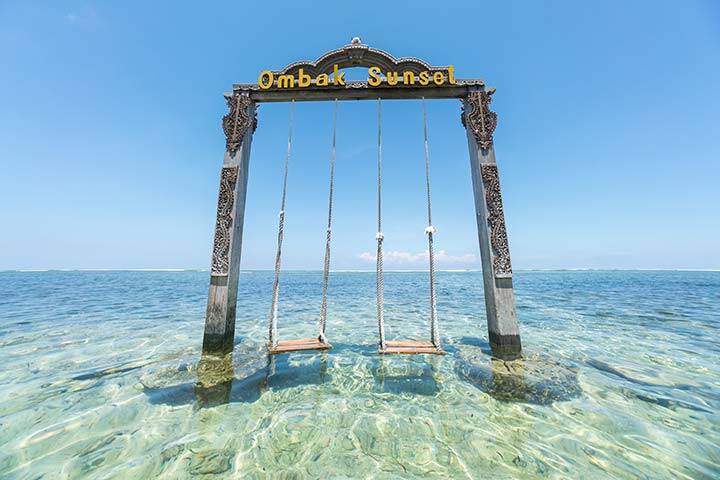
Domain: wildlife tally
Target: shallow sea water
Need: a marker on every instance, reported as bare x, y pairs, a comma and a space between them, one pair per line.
620, 379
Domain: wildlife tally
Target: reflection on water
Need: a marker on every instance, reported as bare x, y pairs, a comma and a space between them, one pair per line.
306, 368
103, 378
535, 380
408, 374
218, 383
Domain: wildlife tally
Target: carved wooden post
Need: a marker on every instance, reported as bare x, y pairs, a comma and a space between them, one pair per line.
239, 125
480, 123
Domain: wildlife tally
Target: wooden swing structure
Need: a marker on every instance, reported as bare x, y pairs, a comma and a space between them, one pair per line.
419, 81
320, 343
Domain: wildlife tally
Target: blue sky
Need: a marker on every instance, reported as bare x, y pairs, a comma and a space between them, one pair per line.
608, 138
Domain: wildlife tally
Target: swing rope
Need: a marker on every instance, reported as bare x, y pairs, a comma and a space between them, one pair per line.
380, 282
430, 230
281, 225
326, 267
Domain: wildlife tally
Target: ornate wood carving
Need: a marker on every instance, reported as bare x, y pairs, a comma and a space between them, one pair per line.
496, 221
224, 222
236, 122
480, 120
358, 54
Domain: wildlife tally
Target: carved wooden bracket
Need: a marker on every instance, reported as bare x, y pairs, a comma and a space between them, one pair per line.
236, 122
480, 120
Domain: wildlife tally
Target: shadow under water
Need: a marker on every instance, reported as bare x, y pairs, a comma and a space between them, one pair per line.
217, 384
402, 374
663, 395
536, 379
480, 343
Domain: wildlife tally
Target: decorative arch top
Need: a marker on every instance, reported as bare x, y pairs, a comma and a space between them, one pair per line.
357, 54
388, 77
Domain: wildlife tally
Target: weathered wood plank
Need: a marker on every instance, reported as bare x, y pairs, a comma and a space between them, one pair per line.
412, 343
359, 91
285, 346
411, 347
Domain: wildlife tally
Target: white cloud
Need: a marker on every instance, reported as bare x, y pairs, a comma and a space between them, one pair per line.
398, 257
367, 256
443, 256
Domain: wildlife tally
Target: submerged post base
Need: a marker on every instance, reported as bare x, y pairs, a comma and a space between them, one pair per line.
505, 347
215, 377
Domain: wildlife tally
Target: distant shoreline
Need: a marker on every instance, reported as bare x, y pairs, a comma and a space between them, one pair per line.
531, 270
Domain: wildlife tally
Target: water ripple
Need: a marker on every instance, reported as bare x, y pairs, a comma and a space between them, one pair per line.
103, 378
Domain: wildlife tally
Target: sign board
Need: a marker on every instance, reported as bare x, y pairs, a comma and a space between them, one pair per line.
376, 77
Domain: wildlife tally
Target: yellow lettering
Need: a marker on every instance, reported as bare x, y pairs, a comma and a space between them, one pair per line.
408, 78
392, 78
338, 76
424, 78
265, 80
322, 80
374, 78
286, 81
438, 78
303, 79
451, 75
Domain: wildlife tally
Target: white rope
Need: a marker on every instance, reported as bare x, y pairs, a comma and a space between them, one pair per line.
281, 225
430, 230
380, 282
326, 267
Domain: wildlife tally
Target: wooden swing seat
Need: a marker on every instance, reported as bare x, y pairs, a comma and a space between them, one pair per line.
285, 346
411, 348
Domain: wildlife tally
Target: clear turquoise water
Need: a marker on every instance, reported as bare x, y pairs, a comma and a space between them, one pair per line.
621, 379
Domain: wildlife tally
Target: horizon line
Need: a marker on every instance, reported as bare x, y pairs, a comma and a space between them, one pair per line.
450, 270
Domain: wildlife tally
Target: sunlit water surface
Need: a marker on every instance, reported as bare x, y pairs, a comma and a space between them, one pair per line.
620, 379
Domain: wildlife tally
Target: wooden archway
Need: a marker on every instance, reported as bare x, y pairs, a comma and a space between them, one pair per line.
479, 122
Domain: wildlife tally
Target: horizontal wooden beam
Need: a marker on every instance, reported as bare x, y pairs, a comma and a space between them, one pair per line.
360, 91
285, 346
411, 348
